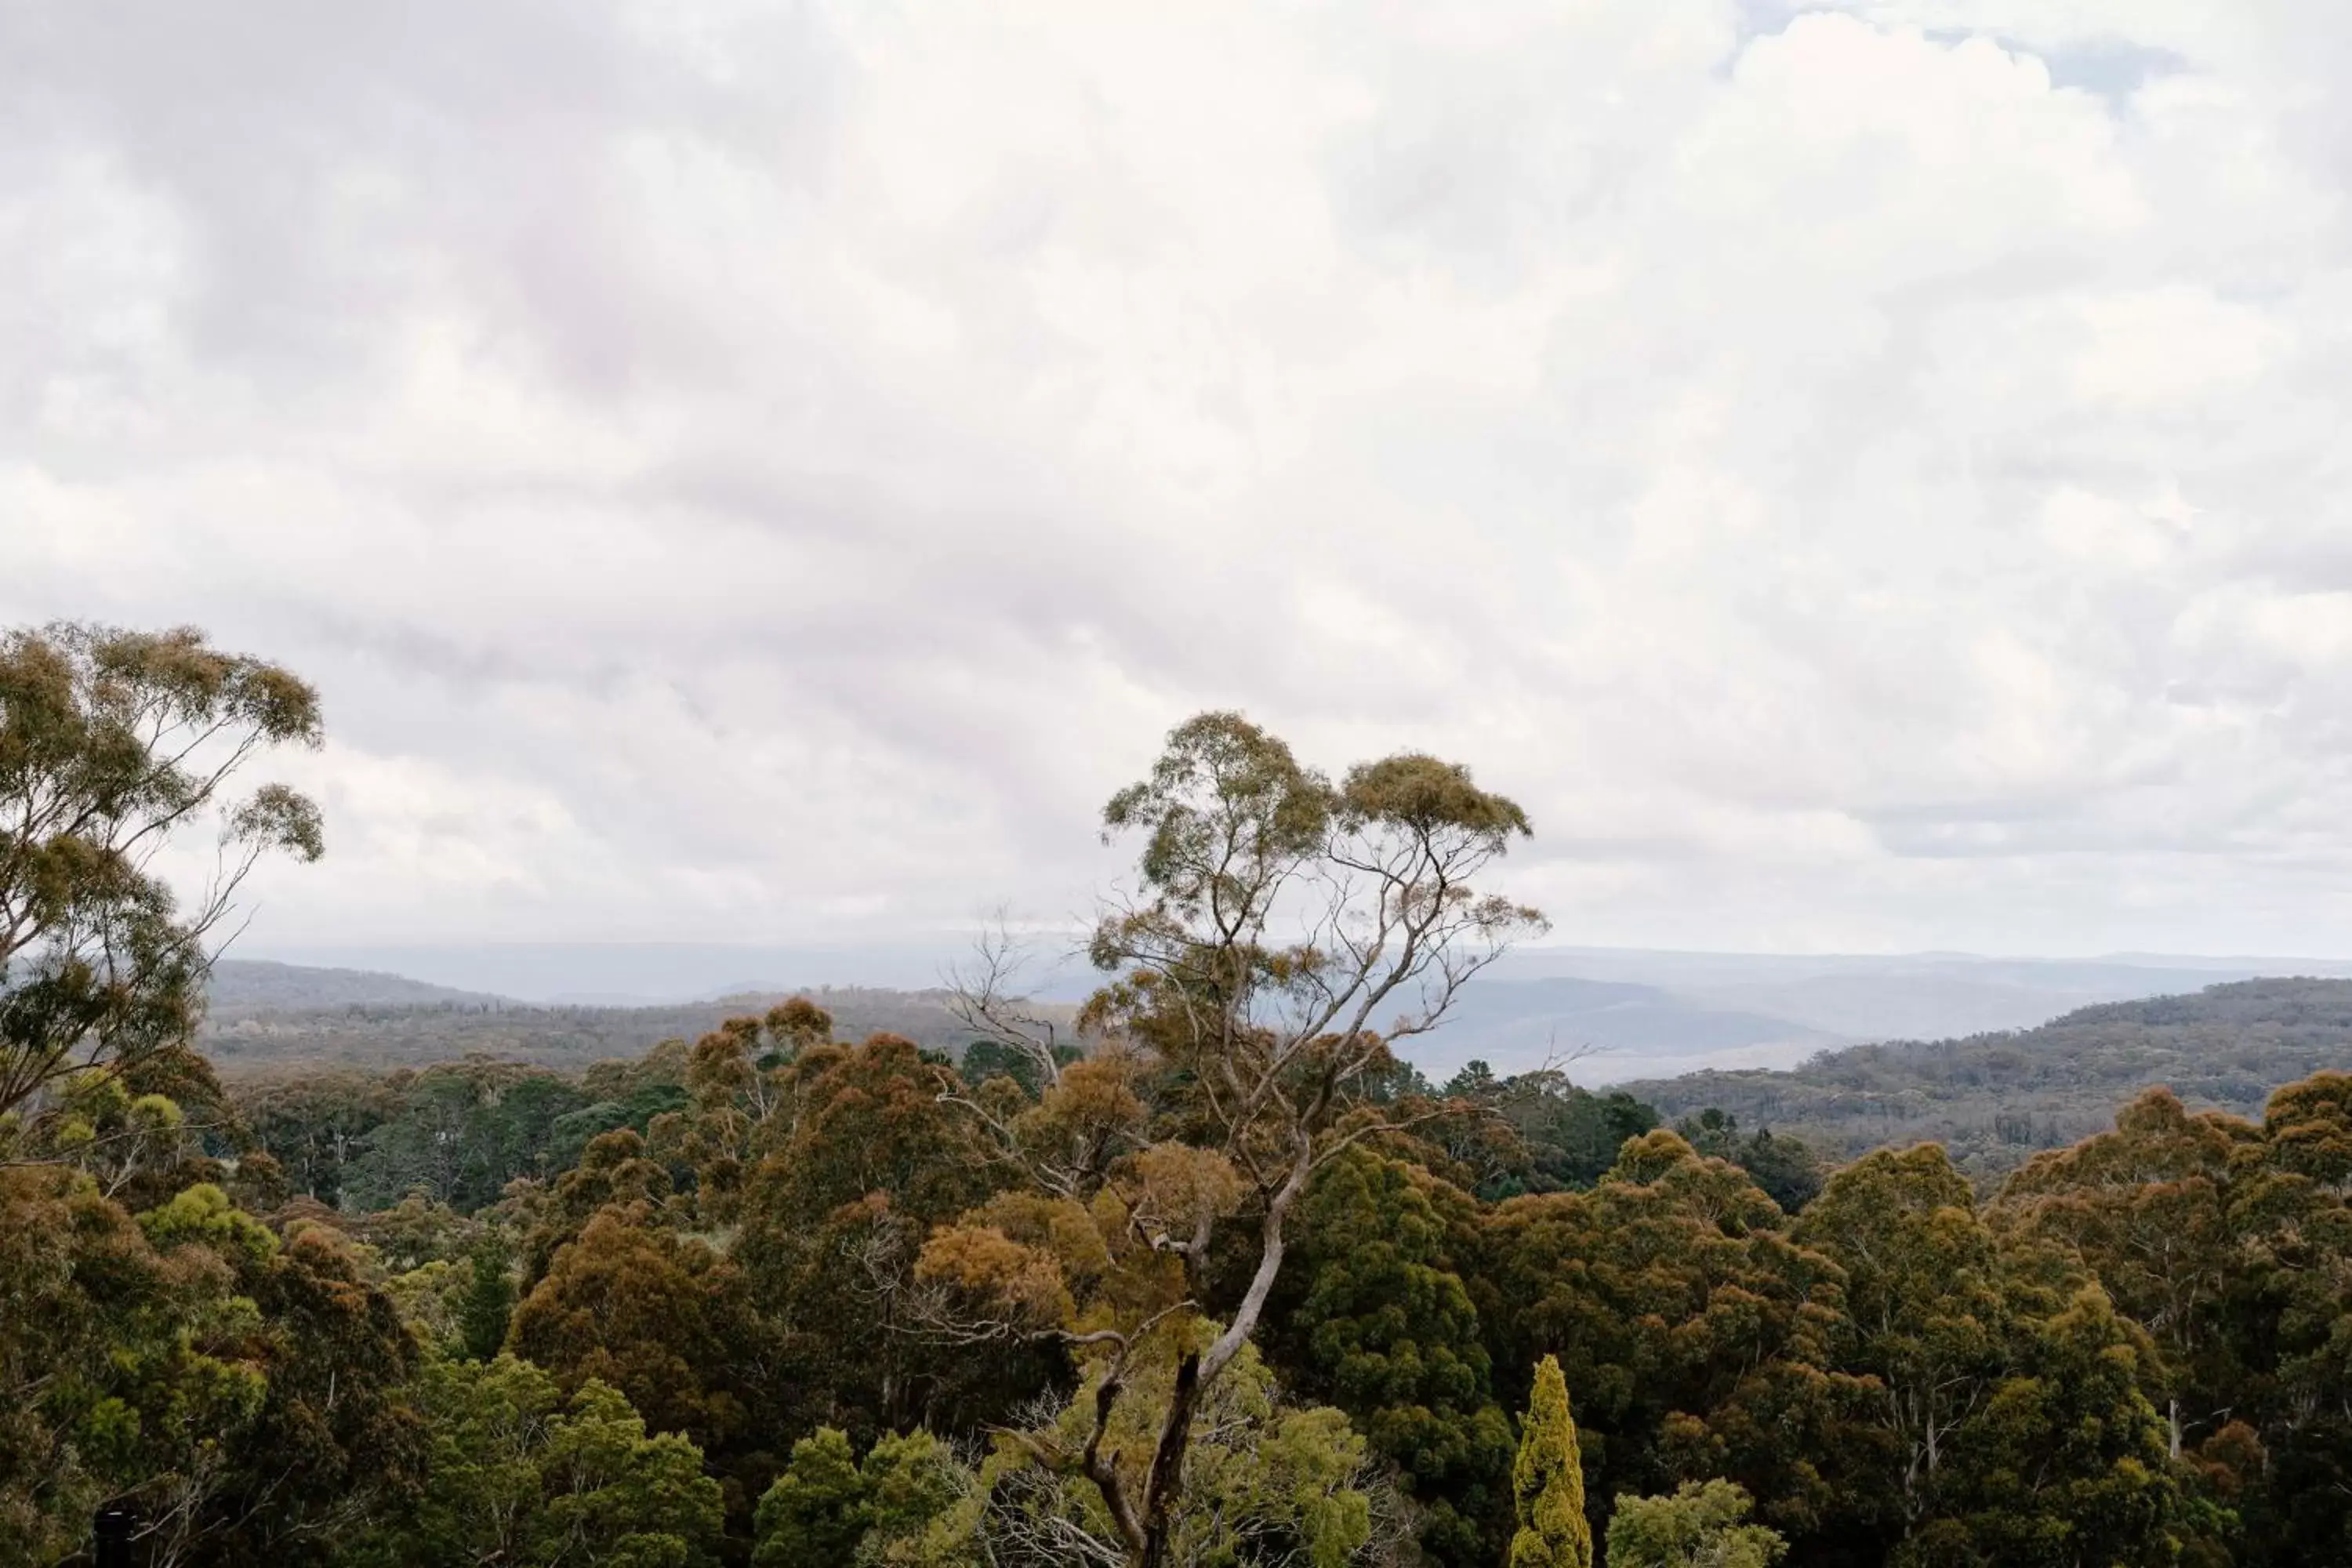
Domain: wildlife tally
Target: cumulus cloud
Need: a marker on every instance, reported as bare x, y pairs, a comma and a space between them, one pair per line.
1864, 477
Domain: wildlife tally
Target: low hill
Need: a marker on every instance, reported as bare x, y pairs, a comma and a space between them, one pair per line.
1641, 1014
1995, 1099
242, 986
385, 1029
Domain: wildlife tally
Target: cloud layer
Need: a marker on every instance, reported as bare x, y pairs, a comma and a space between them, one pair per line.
1864, 479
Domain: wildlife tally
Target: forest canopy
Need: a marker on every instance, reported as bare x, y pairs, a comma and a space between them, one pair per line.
1204, 1272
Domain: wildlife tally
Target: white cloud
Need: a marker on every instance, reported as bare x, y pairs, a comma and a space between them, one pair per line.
1862, 478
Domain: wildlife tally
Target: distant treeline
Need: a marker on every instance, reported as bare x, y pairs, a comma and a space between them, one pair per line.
242, 1040
1993, 1100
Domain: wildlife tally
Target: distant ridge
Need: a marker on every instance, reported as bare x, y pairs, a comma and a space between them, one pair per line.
267, 1017
1995, 1099
1670, 1011
1729, 1010
247, 985
651, 974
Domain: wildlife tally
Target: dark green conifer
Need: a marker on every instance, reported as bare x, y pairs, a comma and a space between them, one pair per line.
489, 1303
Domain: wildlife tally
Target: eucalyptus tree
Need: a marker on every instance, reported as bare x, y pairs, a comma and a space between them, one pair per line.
113, 745
1284, 931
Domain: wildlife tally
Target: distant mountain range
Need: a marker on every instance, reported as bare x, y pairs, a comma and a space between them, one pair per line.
267, 1017
1619, 1013
656, 973
1606, 1029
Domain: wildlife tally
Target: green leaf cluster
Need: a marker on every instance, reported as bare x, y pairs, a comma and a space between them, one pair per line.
1699, 1526
520, 1475
830, 1507
1547, 1481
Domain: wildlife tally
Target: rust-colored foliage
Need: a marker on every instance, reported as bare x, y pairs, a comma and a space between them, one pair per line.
613, 1171
659, 1316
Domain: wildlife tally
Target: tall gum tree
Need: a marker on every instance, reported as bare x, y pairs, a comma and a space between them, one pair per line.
2152, 1207
111, 742
2228, 1244
1283, 933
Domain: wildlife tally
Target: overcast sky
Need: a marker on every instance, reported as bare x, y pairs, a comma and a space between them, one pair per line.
1864, 479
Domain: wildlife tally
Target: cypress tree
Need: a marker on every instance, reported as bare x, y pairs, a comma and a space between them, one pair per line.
1547, 1481
489, 1302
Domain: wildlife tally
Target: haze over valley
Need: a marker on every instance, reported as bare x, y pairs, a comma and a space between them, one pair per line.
1620, 1014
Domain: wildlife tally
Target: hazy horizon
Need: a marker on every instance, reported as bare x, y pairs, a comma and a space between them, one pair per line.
579, 971
1624, 1013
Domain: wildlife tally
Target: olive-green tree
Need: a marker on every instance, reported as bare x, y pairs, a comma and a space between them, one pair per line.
1696, 1339
742, 1086
1699, 1526
2007, 1422
111, 742
1547, 1481
829, 1507
817, 1510
487, 1305
127, 1369
2229, 1245
519, 1475
1270, 1484
1379, 1323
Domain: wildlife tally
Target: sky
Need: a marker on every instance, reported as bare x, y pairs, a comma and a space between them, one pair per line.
1864, 478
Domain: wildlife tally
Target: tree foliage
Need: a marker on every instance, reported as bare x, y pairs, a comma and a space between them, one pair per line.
2228, 1244
459, 1132
1786, 1168
1271, 1483
1547, 1481
2007, 1420
487, 1307
1217, 1279
110, 743
657, 1316
1699, 1526
520, 1475
243, 1393
1286, 931
125, 1369
1383, 1327
1697, 1336
830, 1507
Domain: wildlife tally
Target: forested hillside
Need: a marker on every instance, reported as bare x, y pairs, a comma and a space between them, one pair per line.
1994, 1099
791, 1291
247, 1030
1213, 1280
239, 989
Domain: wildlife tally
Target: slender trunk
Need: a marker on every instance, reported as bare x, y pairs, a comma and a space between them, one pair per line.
1197, 1371
2172, 1423
1104, 1472
1167, 1482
